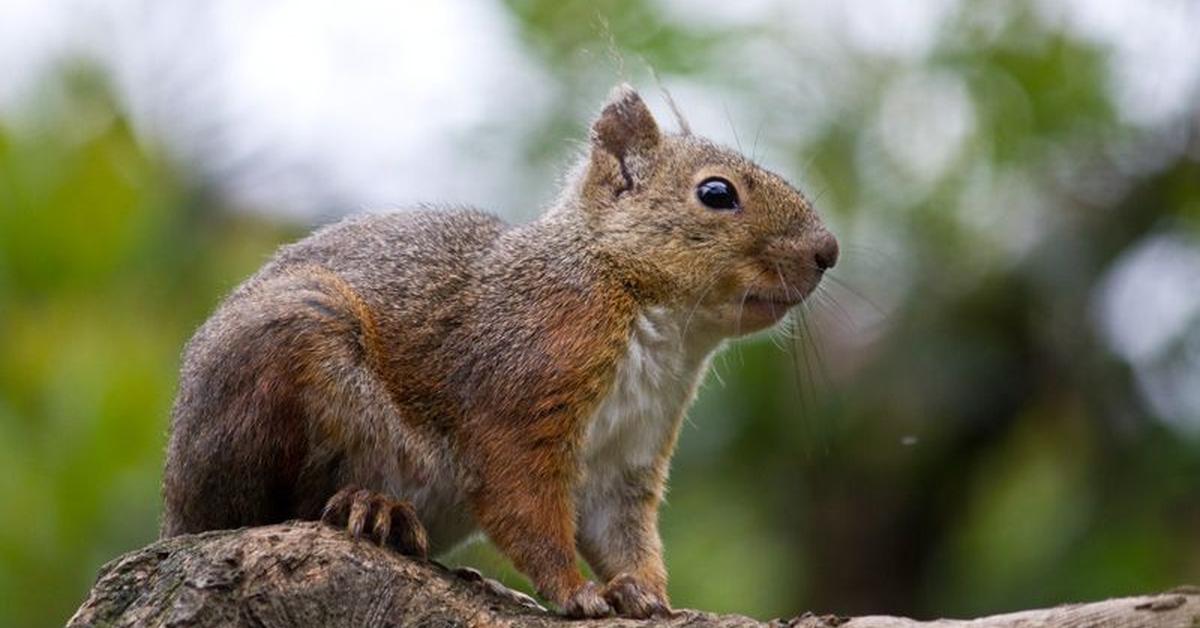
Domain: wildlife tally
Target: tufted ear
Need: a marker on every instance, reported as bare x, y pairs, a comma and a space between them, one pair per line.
623, 136
625, 126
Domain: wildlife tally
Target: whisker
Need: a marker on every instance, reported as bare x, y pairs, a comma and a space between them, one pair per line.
820, 193
774, 316
757, 133
737, 328
841, 314
841, 283
821, 294
805, 418
867, 249
822, 369
728, 117
787, 290
807, 410
708, 286
717, 372
813, 353
800, 323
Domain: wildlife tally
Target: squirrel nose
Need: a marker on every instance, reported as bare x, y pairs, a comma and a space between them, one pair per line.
826, 251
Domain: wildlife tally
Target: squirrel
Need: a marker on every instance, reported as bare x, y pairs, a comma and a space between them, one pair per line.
418, 376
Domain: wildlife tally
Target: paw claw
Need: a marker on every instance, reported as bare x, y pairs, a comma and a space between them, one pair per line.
367, 514
383, 525
409, 536
337, 509
360, 509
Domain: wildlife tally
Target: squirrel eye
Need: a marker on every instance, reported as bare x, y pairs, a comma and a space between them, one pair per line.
717, 193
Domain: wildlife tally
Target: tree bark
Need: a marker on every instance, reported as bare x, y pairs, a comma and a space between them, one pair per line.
307, 574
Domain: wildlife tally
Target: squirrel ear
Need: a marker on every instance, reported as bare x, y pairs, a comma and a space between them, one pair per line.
625, 126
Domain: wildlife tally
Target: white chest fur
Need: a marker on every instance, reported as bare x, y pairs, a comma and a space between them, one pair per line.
655, 381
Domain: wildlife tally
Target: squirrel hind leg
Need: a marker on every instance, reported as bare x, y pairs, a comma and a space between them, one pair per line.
366, 514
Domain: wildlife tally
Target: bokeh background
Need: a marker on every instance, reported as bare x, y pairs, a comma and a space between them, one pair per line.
993, 403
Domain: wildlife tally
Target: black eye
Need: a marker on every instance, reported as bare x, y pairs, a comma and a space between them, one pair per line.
717, 193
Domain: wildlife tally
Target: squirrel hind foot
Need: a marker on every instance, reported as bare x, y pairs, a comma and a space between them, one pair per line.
631, 598
366, 514
587, 602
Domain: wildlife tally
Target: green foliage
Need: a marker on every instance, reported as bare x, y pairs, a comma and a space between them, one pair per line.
104, 272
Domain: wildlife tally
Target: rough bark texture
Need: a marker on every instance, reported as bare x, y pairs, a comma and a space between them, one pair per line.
307, 574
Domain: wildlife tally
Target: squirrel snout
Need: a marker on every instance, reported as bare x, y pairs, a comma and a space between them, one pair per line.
807, 255
825, 250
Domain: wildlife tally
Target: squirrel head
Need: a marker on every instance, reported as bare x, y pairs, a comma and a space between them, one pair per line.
697, 226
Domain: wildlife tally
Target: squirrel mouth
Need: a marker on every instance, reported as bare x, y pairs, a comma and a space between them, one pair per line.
775, 298
769, 305
778, 299
757, 307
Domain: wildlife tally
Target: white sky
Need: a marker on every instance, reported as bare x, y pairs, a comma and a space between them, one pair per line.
368, 104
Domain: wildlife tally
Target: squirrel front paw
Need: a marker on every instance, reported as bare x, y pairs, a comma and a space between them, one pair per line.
586, 602
632, 598
367, 514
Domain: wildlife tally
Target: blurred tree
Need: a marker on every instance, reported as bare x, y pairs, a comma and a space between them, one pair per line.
107, 263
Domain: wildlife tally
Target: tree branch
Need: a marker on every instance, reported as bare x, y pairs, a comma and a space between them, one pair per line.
307, 574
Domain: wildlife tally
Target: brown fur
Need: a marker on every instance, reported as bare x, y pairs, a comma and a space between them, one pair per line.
455, 363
